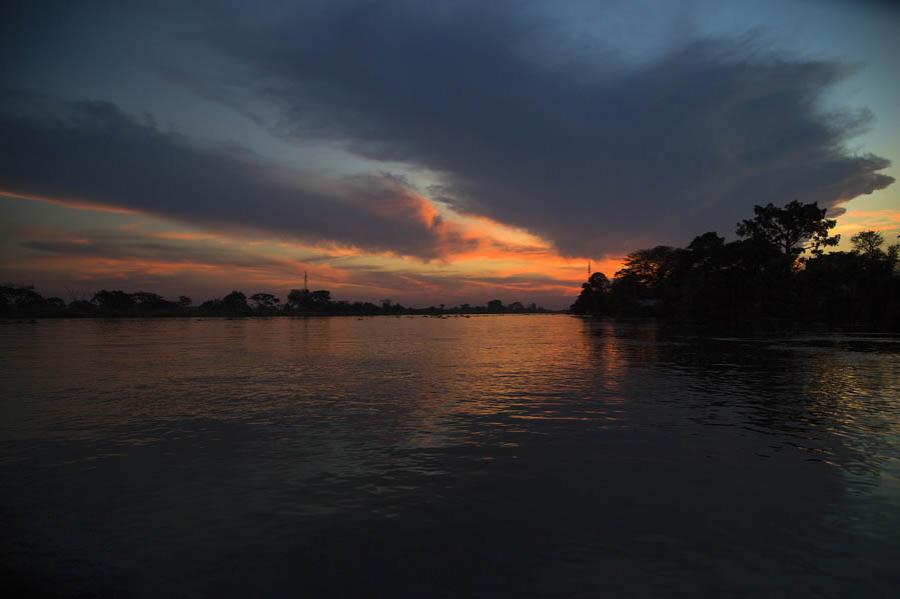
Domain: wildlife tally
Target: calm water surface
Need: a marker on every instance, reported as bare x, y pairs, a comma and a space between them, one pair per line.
484, 456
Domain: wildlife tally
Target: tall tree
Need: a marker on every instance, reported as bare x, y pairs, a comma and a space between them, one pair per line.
649, 268
592, 299
235, 302
867, 243
794, 229
264, 301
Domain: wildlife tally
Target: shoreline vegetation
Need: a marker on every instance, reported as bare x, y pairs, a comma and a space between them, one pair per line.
18, 301
777, 270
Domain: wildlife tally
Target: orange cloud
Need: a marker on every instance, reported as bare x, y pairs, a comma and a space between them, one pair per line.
184, 236
884, 220
876, 220
480, 259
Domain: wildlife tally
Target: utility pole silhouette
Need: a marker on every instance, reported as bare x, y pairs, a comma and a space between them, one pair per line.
305, 282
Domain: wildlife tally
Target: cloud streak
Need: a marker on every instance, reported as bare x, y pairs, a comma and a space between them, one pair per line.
92, 155
172, 265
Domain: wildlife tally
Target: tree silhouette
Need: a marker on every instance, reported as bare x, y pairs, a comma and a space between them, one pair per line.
22, 299
650, 268
82, 308
763, 275
495, 305
150, 302
235, 302
56, 302
211, 306
867, 243
115, 301
794, 229
320, 297
144, 297
593, 297
264, 301
304, 299
298, 298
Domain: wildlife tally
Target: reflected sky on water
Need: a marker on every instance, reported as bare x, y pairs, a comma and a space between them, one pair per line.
502, 455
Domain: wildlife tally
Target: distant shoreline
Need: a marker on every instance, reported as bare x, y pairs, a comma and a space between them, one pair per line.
22, 301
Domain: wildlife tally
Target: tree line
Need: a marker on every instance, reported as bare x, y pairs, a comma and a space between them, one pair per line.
23, 301
777, 268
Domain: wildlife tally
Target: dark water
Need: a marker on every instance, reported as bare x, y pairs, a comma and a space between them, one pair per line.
511, 455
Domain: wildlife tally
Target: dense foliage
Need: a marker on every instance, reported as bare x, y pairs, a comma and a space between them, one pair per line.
777, 269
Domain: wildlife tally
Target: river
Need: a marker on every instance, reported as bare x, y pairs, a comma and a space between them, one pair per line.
518, 456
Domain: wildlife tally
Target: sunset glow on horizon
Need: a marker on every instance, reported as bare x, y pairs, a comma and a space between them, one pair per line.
141, 251
247, 161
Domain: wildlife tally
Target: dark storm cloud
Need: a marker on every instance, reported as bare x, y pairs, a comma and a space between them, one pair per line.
564, 140
91, 152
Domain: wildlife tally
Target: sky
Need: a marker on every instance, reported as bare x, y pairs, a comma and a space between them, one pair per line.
426, 152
